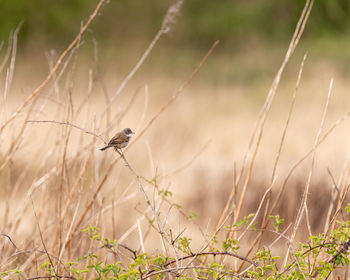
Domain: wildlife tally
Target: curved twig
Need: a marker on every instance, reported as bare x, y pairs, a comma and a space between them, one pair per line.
70, 124
206, 254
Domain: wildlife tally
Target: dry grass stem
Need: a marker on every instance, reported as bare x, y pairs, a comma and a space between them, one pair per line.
38, 90
169, 18
70, 211
67, 123
260, 123
303, 207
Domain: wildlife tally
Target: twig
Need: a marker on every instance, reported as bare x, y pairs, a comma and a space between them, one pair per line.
341, 199
70, 124
35, 251
307, 154
334, 194
3, 234
214, 254
181, 168
142, 245
345, 247
280, 235
189, 267
50, 277
153, 209
192, 267
41, 235
134, 253
258, 209
268, 211
155, 214
100, 185
291, 108
151, 272
303, 206
178, 92
69, 230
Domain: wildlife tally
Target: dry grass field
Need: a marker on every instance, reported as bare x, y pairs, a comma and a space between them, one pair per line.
204, 156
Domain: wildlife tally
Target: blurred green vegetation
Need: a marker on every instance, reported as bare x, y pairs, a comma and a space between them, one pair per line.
55, 22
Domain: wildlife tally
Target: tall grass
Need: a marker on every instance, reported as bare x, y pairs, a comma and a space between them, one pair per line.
70, 211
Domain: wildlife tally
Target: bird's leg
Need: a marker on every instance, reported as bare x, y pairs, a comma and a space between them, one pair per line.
120, 151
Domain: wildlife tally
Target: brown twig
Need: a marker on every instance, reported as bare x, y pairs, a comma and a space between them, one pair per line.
50, 277
267, 211
9, 238
175, 269
155, 214
178, 92
181, 168
303, 206
41, 235
214, 254
345, 247
194, 255
70, 124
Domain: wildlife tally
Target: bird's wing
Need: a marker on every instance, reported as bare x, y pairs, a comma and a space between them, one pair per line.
118, 139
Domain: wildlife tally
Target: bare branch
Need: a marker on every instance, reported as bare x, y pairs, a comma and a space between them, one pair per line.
70, 124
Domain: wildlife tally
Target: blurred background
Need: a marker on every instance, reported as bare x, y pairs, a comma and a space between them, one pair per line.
250, 27
205, 133
54, 23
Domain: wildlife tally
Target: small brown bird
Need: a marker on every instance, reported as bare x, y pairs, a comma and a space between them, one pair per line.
120, 140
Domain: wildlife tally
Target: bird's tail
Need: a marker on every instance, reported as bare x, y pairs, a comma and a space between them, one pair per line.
104, 148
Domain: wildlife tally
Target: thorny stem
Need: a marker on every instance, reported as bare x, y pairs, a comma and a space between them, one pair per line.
156, 215
50, 277
206, 254
344, 248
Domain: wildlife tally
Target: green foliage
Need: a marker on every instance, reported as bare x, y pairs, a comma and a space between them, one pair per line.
244, 221
48, 268
193, 215
51, 19
230, 245
9, 272
184, 245
199, 21
315, 259
165, 193
277, 221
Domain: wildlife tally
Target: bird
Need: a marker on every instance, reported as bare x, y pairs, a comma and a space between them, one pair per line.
120, 140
